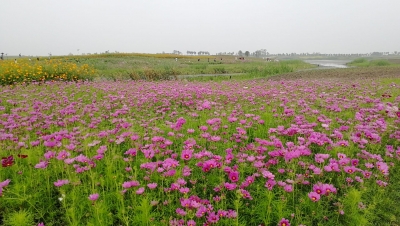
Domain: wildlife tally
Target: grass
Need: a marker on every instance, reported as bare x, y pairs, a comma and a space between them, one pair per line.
363, 62
164, 66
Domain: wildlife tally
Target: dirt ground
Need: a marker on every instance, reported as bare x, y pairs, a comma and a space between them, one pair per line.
343, 73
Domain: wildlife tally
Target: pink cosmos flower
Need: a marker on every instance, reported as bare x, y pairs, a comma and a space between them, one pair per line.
184, 190
367, 174
4, 183
229, 186
41, 165
213, 217
284, 222
129, 184
319, 189
288, 188
350, 169
180, 211
270, 184
140, 191
314, 196
152, 185
94, 197
60, 183
187, 154
328, 188
234, 176
49, 154
62, 155
201, 211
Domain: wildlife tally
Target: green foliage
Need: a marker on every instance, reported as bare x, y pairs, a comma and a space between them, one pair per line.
359, 61
156, 67
19, 218
362, 62
143, 214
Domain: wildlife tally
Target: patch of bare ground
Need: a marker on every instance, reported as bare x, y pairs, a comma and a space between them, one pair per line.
345, 73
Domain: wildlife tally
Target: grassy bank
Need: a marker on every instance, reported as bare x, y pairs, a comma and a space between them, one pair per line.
363, 62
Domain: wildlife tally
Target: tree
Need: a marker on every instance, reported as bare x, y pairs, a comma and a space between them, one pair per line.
247, 53
240, 53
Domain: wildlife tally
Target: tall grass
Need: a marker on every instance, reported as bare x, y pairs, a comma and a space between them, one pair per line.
362, 62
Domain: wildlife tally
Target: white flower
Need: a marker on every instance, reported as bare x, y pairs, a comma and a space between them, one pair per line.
62, 197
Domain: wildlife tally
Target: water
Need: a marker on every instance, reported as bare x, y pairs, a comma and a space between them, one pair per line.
329, 63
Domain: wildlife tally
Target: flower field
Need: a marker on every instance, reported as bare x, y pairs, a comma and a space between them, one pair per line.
25, 71
304, 152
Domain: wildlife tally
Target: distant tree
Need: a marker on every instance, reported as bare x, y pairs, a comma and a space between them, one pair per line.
247, 53
240, 53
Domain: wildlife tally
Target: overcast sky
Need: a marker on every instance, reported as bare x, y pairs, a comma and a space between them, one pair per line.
152, 26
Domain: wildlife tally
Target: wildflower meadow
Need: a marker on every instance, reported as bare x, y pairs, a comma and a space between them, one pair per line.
31, 71
255, 152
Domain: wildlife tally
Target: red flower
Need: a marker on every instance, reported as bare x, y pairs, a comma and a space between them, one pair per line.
7, 161
22, 156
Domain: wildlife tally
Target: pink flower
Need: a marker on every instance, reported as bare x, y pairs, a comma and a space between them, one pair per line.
41, 165
191, 223
234, 176
187, 154
229, 186
212, 217
319, 189
180, 211
140, 191
4, 183
131, 152
288, 188
314, 196
270, 184
284, 222
62, 155
184, 190
350, 169
128, 184
152, 185
94, 197
60, 183
49, 154
328, 188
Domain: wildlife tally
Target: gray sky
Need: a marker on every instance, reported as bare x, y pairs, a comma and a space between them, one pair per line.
152, 26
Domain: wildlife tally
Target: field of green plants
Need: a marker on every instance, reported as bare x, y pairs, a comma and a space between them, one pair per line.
253, 152
150, 67
167, 67
118, 144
